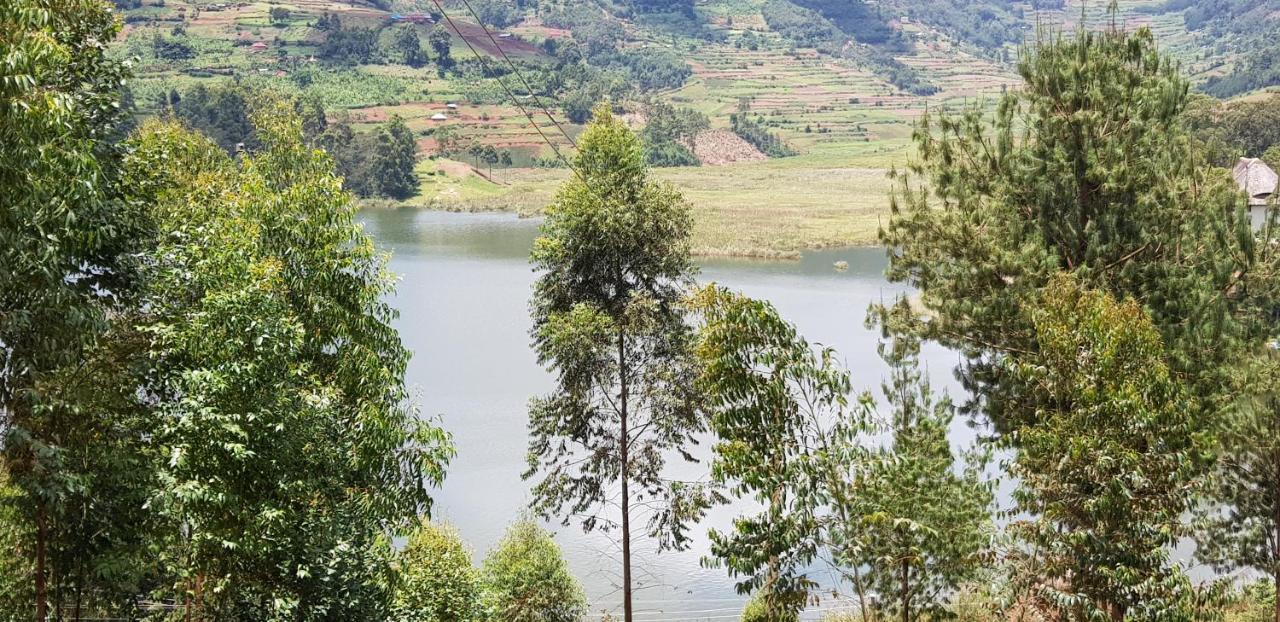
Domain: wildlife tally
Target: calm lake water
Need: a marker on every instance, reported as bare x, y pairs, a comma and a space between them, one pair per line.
463, 296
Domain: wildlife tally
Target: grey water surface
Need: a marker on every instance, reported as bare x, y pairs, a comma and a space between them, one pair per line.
463, 297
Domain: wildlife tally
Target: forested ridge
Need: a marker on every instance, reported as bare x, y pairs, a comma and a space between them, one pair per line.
205, 415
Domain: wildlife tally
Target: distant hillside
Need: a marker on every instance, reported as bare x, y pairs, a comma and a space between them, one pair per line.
823, 78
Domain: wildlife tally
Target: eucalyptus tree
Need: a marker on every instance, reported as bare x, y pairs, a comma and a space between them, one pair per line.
1108, 466
436, 581
613, 263
291, 457
896, 517
63, 229
777, 411
1087, 168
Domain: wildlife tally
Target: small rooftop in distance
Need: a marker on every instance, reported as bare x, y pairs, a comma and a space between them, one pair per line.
1256, 179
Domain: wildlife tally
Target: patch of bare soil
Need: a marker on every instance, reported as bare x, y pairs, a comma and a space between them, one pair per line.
718, 147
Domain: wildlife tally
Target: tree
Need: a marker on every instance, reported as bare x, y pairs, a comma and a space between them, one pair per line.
525, 579
896, 522
776, 409
613, 263
290, 456
64, 230
437, 582
279, 16
393, 161
1109, 463
919, 520
441, 43
220, 112
314, 119
1242, 530
490, 156
1272, 157
1089, 170
410, 46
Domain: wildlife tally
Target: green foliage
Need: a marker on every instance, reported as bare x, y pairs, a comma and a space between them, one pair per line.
1108, 458
919, 520
290, 457
897, 522
441, 43
436, 580
1239, 528
17, 597
613, 262
1093, 173
754, 131
757, 610
1232, 130
65, 234
391, 167
669, 132
409, 46
349, 46
525, 579
220, 112
777, 410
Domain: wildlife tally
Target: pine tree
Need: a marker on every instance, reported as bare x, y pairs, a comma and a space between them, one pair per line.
1086, 169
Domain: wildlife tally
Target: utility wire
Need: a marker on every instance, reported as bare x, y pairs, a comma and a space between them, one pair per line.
519, 75
484, 64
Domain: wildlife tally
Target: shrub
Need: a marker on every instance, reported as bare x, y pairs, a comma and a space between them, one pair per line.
525, 579
437, 582
755, 611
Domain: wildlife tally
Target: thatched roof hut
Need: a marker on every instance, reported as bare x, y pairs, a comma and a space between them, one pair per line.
1256, 179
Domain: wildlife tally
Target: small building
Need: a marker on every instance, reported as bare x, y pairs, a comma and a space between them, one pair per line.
1258, 181
439, 116
259, 47
451, 106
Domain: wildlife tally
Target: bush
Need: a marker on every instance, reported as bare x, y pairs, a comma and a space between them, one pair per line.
437, 582
755, 611
526, 579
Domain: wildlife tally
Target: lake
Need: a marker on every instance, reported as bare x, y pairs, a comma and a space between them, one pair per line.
463, 296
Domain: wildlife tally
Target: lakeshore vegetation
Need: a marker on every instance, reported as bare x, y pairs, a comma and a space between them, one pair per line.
203, 402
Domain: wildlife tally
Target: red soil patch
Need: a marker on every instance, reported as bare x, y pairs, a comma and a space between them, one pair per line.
475, 35
717, 147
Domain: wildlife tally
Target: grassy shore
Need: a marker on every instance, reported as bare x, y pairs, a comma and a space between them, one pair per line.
772, 209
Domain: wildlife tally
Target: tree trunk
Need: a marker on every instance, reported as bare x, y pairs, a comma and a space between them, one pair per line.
906, 591
626, 500
42, 539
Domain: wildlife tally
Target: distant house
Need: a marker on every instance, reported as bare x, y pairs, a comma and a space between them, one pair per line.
259, 47
439, 116
1258, 181
451, 106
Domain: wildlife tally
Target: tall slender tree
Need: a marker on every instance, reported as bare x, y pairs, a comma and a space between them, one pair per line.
1240, 527
613, 263
778, 410
63, 230
904, 523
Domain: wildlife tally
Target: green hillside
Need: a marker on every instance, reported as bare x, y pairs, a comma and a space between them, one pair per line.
833, 85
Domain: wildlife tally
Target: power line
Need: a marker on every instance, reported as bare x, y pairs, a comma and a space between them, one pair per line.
485, 65
516, 70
